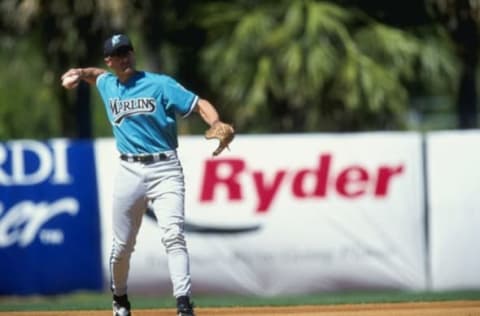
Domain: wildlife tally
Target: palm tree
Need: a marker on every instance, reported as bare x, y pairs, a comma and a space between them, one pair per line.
310, 66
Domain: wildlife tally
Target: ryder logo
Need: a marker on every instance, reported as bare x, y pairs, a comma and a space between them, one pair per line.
318, 182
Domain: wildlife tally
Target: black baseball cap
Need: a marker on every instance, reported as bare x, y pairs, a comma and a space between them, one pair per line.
116, 43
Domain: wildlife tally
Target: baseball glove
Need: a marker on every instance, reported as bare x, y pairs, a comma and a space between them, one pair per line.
223, 132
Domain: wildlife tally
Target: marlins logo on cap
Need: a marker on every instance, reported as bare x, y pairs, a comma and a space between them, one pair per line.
116, 39
115, 42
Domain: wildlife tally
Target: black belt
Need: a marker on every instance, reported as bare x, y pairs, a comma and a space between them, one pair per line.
144, 157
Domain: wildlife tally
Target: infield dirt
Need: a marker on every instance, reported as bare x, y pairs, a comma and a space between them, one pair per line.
448, 308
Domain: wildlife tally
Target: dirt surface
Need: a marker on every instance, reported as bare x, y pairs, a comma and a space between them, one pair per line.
450, 308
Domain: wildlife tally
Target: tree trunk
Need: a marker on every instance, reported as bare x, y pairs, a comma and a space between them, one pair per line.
467, 99
466, 35
83, 111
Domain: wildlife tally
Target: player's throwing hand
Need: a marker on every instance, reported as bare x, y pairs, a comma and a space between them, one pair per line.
71, 78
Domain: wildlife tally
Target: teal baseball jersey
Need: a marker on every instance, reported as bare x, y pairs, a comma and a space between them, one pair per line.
143, 110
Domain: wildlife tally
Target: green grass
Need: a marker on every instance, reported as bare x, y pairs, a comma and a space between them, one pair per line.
101, 301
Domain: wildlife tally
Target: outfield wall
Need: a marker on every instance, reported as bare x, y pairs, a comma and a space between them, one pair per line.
276, 215
454, 212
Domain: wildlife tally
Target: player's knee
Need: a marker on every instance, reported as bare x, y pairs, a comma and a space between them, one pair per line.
173, 239
120, 252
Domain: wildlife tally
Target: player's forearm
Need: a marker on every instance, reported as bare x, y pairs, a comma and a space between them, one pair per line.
207, 112
90, 74
71, 78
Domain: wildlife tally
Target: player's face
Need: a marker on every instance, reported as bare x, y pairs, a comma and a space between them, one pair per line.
122, 62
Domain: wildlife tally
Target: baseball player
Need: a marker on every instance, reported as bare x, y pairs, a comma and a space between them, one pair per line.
142, 107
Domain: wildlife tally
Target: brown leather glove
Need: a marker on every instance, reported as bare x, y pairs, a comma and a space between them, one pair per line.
223, 132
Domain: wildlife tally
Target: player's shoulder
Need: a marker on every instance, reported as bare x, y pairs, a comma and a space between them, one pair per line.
105, 77
107, 74
160, 77
167, 83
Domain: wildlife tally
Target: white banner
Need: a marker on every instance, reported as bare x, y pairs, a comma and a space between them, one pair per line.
454, 200
290, 214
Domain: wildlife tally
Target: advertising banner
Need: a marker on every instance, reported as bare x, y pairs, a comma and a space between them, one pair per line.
290, 214
454, 216
49, 218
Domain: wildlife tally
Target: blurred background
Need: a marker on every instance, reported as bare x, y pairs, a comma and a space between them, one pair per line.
269, 66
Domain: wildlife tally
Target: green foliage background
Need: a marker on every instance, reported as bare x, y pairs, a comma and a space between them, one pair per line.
28, 106
269, 66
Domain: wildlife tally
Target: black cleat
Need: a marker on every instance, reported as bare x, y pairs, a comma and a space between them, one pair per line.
121, 306
184, 306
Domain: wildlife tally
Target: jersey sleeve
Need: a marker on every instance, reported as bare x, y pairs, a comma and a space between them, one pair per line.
101, 79
178, 98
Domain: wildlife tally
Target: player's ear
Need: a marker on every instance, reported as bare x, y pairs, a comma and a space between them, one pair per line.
108, 61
